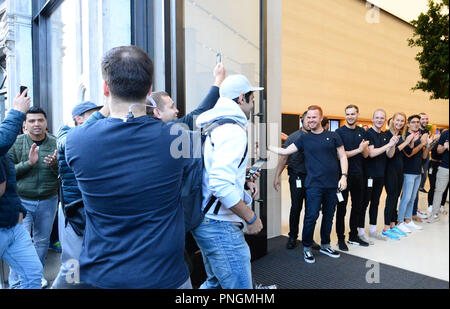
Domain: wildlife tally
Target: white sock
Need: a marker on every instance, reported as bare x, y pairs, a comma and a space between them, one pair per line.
373, 228
361, 232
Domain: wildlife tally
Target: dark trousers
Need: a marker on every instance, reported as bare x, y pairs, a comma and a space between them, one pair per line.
371, 195
432, 178
315, 198
355, 186
298, 195
393, 184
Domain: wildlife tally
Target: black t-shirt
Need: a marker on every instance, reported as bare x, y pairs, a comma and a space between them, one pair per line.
413, 165
376, 166
352, 138
296, 161
321, 159
442, 140
396, 162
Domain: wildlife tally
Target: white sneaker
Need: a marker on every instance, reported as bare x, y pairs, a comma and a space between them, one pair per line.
433, 218
422, 215
377, 235
443, 211
44, 283
404, 228
412, 226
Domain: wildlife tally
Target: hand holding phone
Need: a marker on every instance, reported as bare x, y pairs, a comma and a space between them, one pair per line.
218, 58
22, 89
254, 169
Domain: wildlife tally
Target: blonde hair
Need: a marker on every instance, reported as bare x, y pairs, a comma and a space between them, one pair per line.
392, 125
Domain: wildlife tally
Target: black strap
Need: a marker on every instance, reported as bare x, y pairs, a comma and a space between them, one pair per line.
207, 132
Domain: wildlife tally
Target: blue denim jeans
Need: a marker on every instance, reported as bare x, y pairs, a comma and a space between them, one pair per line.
17, 250
40, 217
410, 188
315, 198
225, 253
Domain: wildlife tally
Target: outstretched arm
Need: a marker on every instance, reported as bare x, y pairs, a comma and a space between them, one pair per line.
284, 151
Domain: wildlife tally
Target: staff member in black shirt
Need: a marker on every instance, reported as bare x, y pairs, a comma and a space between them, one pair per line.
321, 149
414, 154
297, 177
379, 146
356, 149
441, 177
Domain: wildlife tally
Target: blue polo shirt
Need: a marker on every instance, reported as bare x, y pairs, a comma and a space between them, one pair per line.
442, 140
375, 167
413, 165
352, 138
131, 185
322, 165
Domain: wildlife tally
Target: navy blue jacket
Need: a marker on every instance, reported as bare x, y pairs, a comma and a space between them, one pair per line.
10, 205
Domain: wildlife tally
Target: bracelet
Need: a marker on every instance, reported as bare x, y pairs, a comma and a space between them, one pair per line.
252, 221
346, 175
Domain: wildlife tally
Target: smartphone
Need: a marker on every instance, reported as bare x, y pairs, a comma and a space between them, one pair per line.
255, 168
218, 58
22, 89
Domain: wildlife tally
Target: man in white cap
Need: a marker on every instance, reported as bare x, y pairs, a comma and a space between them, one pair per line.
220, 237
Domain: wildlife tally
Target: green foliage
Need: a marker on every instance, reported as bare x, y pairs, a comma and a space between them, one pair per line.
431, 34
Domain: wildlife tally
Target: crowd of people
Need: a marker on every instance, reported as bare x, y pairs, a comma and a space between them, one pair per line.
361, 162
128, 195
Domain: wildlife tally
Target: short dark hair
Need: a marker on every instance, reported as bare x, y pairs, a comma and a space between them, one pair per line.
128, 71
352, 106
412, 117
324, 121
247, 97
36, 110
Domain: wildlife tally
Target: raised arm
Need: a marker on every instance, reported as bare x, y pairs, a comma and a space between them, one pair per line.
284, 151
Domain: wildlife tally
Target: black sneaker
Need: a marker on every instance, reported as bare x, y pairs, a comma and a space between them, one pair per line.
292, 243
342, 246
309, 257
357, 241
330, 252
315, 246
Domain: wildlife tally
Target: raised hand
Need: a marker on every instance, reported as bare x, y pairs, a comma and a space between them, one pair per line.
21, 103
220, 74
51, 160
33, 155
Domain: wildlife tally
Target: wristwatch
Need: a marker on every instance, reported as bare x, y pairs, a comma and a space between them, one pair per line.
346, 175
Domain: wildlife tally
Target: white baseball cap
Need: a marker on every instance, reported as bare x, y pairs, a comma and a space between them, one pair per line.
235, 85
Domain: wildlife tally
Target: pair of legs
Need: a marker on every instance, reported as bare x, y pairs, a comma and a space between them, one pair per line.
410, 189
393, 185
225, 253
355, 186
39, 219
17, 250
441, 184
298, 195
372, 194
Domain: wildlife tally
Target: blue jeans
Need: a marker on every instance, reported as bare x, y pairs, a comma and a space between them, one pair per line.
17, 250
40, 217
225, 253
315, 197
410, 188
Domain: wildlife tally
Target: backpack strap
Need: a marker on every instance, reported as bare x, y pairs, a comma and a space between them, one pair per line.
207, 132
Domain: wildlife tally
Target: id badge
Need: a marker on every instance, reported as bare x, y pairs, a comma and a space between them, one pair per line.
299, 183
340, 196
430, 171
370, 183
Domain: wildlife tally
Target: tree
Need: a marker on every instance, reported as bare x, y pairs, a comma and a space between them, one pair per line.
431, 34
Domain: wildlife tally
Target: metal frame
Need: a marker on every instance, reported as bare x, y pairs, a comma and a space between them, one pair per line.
142, 28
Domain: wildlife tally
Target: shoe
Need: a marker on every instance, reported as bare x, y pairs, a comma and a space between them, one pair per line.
377, 235
56, 246
442, 210
417, 219
423, 190
330, 252
342, 246
422, 215
430, 210
391, 234
44, 283
412, 226
309, 257
403, 227
433, 218
265, 287
397, 231
357, 241
292, 243
365, 239
315, 246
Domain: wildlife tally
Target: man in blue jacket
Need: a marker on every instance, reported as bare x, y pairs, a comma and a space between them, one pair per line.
130, 184
16, 247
